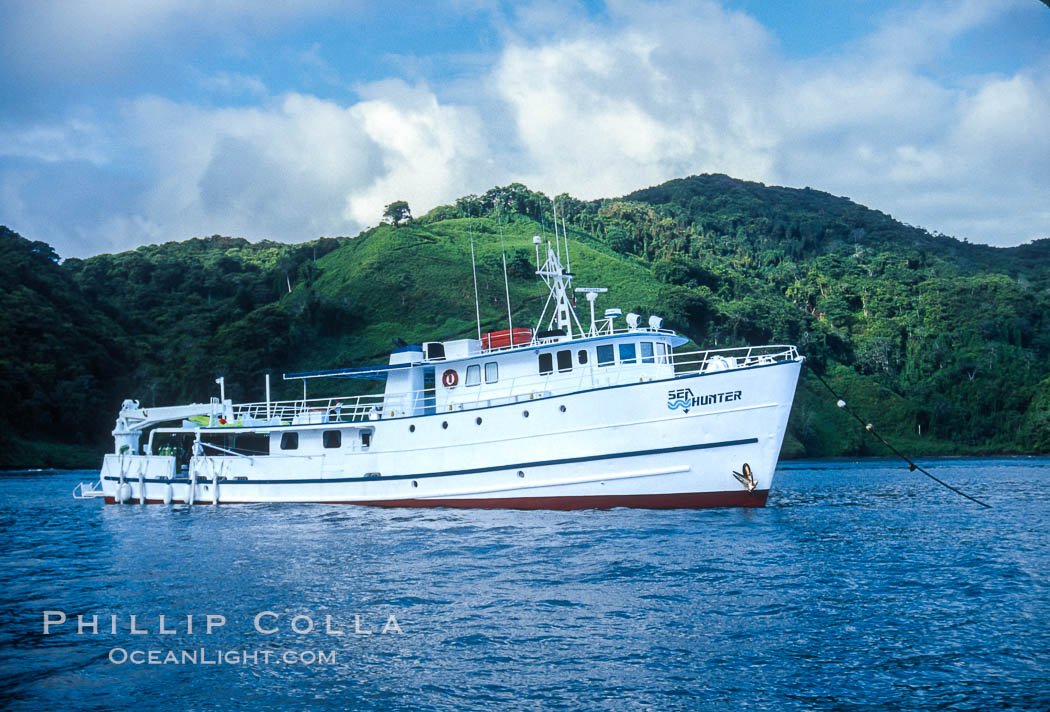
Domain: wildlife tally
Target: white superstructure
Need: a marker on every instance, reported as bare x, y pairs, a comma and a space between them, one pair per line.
562, 417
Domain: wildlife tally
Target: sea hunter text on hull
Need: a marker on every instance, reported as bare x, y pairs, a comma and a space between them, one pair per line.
561, 417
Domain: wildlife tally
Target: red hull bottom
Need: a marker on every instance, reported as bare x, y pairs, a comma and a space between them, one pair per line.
684, 500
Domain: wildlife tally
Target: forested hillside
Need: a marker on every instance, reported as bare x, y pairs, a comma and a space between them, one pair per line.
945, 344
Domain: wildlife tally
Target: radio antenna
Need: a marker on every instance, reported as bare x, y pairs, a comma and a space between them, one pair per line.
474, 271
565, 236
557, 244
506, 283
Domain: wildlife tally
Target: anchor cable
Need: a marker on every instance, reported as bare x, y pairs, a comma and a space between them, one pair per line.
912, 467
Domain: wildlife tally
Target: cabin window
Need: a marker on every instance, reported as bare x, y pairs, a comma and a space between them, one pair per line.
332, 438
627, 353
581, 356
564, 361
248, 444
546, 364
491, 372
435, 351
366, 438
661, 353
474, 375
605, 355
289, 441
647, 352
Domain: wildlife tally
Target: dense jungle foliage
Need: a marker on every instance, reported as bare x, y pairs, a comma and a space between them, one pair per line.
945, 344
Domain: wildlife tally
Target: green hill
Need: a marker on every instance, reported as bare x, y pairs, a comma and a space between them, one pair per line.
59, 358
920, 331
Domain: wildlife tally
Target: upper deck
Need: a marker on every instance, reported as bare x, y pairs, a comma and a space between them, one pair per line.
489, 379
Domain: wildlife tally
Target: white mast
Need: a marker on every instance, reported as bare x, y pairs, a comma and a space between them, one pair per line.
565, 237
474, 271
560, 283
506, 284
557, 244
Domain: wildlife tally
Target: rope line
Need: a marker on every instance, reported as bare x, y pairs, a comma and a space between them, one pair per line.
912, 467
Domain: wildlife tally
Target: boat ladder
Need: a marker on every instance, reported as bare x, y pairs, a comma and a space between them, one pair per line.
88, 490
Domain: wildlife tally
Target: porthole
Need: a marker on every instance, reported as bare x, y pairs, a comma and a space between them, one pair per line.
411, 428
478, 421
562, 409
415, 484
520, 473
444, 424
524, 414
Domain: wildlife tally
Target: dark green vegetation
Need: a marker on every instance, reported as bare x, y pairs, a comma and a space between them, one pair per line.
946, 345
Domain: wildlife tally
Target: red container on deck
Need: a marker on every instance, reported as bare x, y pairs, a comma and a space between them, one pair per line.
503, 339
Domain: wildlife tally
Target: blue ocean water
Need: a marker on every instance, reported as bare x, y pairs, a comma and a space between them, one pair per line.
860, 587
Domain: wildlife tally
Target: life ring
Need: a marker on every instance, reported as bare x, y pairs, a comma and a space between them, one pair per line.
449, 378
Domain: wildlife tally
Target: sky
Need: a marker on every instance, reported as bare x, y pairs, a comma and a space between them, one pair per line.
125, 123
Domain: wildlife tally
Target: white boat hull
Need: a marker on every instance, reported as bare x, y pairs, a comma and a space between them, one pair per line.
647, 444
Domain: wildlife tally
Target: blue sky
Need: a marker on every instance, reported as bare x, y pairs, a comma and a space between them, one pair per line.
125, 123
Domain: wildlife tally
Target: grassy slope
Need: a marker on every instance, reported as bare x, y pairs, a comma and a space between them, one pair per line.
415, 283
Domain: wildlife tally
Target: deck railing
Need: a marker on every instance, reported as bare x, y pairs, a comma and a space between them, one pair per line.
363, 408
603, 328
727, 359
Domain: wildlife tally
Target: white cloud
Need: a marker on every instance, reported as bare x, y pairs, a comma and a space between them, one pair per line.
599, 106
316, 65
666, 90
1005, 122
430, 151
915, 34
293, 168
301, 166
72, 140
606, 113
233, 84
117, 233
12, 200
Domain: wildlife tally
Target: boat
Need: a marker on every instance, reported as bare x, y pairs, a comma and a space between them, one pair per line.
562, 416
